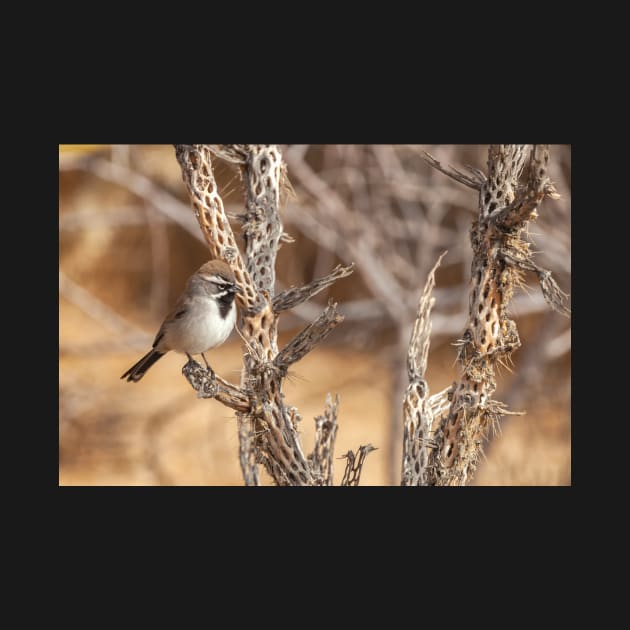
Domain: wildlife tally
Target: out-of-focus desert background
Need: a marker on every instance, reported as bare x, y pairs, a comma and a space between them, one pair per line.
128, 240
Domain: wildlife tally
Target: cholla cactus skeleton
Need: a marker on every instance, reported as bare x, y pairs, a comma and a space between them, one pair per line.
267, 426
444, 448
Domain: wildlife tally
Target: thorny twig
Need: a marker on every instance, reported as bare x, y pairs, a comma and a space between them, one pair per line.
304, 341
474, 182
290, 298
354, 464
417, 408
321, 458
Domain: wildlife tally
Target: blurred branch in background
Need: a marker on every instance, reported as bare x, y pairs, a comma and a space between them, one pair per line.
140, 185
124, 334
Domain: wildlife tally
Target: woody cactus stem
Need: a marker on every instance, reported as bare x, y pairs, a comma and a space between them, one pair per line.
500, 255
418, 410
267, 428
321, 459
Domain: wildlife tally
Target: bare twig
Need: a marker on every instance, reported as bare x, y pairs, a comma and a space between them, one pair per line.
474, 182
354, 464
294, 296
304, 341
142, 186
247, 453
321, 459
209, 385
419, 343
159, 263
554, 296
104, 218
539, 186
96, 309
559, 346
417, 411
341, 221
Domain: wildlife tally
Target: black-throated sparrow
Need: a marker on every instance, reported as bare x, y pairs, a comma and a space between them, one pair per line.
202, 318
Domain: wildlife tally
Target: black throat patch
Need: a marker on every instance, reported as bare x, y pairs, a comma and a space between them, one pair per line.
225, 303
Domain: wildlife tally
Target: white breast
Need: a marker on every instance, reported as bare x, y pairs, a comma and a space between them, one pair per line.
203, 327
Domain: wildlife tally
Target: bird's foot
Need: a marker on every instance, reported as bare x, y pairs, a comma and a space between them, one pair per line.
208, 368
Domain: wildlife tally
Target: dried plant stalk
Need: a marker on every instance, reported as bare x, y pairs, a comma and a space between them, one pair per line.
321, 459
209, 385
354, 464
247, 453
500, 254
294, 296
417, 407
304, 341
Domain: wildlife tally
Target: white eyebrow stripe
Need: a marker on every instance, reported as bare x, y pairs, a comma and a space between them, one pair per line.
220, 280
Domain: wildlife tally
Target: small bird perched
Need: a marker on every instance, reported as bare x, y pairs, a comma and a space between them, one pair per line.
202, 318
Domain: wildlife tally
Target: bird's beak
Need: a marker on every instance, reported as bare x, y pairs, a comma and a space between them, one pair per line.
237, 289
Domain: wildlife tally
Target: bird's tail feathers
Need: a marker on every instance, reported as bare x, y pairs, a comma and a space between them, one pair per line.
139, 369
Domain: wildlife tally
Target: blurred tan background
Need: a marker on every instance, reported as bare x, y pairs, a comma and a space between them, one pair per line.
128, 240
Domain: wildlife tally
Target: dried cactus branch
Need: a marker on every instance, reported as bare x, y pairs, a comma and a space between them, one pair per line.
297, 295
474, 182
235, 153
262, 229
341, 223
321, 459
499, 254
354, 464
419, 343
527, 200
277, 442
553, 294
247, 453
417, 408
209, 385
305, 340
